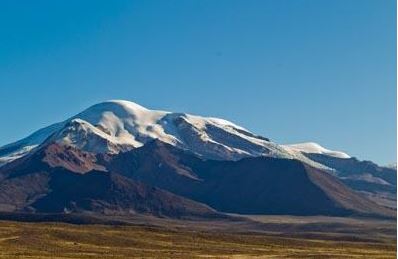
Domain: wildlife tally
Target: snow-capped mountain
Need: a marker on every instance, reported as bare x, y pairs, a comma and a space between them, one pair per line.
114, 126
120, 144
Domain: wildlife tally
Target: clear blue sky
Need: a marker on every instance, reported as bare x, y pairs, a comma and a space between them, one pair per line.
291, 70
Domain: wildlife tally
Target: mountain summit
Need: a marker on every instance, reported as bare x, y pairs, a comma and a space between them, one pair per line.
117, 125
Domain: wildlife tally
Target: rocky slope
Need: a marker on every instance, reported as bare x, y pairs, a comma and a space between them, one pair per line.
59, 179
119, 157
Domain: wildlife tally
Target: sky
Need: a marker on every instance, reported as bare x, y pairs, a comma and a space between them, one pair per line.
290, 70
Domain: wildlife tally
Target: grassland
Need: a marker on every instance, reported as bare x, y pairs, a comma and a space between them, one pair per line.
197, 240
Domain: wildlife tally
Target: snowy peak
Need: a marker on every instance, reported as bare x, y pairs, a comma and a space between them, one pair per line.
123, 122
84, 136
117, 125
127, 123
314, 148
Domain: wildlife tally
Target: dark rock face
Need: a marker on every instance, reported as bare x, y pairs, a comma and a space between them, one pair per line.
251, 185
264, 186
162, 180
36, 184
108, 193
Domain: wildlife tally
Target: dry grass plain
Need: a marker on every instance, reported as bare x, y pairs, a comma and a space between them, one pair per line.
60, 240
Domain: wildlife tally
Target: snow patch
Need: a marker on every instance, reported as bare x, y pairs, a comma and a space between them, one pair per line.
314, 148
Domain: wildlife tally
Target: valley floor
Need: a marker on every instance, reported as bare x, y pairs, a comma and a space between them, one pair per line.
286, 237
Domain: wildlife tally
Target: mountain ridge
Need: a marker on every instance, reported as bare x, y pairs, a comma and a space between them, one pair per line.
163, 180
117, 125
206, 160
